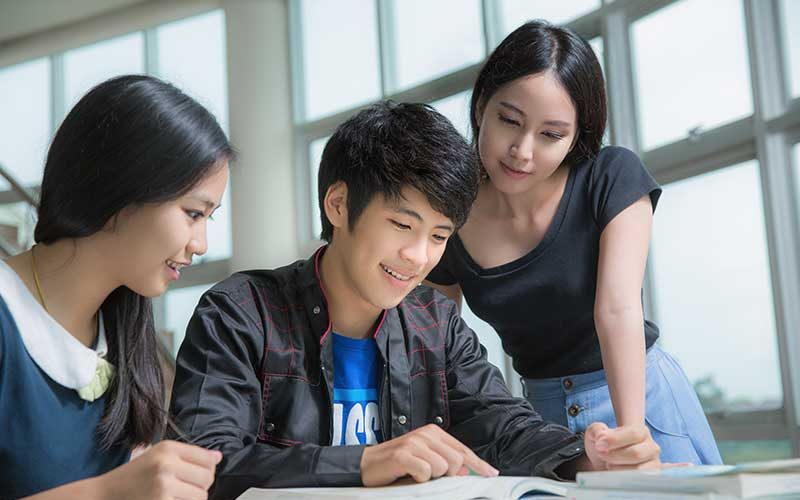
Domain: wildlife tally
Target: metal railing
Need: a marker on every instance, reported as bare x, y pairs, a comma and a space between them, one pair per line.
19, 193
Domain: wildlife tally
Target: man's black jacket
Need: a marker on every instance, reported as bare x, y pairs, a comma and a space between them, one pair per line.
254, 380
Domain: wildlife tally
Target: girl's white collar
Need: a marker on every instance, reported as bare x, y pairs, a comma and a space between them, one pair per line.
60, 355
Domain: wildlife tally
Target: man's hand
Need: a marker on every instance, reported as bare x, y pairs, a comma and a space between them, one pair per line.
424, 453
627, 447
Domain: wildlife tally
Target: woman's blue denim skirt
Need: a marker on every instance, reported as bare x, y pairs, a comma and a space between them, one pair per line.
672, 411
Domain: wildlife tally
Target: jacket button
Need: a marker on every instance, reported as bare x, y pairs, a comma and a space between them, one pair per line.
574, 410
438, 420
568, 383
402, 419
316, 309
270, 427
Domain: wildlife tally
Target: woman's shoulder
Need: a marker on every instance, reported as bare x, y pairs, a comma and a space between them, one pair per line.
611, 162
610, 156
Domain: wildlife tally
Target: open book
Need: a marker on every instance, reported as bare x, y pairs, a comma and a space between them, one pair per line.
748, 480
446, 488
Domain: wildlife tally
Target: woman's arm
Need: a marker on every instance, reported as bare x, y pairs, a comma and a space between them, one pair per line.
618, 308
453, 292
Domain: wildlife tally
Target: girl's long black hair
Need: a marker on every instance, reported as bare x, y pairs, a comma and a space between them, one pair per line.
131, 140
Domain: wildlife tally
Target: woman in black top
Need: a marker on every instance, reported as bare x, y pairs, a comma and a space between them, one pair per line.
554, 251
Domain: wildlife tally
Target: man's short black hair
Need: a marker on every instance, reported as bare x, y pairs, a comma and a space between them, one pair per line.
388, 146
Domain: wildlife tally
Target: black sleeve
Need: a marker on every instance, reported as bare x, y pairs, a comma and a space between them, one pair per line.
503, 430
442, 273
618, 179
216, 402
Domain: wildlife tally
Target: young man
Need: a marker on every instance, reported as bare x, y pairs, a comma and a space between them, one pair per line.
341, 370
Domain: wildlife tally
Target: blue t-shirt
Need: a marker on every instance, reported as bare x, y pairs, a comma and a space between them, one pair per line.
356, 378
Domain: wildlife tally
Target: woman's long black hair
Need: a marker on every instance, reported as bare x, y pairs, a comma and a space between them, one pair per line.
131, 140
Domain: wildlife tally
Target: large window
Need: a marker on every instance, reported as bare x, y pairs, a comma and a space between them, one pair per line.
340, 64
87, 66
24, 134
25, 127
713, 292
695, 81
683, 98
430, 41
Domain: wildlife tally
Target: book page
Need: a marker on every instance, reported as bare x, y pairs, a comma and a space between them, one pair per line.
446, 488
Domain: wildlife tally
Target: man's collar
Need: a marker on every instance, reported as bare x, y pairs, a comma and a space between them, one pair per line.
309, 276
308, 272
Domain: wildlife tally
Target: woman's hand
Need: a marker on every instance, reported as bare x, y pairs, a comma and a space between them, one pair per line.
626, 447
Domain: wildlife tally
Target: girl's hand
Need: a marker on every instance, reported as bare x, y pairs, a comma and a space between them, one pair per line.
166, 471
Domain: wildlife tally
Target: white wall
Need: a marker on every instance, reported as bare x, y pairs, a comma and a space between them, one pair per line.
24, 17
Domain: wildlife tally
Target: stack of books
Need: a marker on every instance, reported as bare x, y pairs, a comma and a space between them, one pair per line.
778, 479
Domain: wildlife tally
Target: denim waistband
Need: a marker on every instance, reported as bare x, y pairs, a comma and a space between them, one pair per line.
560, 386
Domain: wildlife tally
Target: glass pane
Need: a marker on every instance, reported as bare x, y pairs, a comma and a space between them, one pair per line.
180, 305
456, 109
796, 161
431, 41
791, 27
678, 90
712, 288
341, 65
25, 127
191, 55
87, 66
514, 13
736, 452
315, 156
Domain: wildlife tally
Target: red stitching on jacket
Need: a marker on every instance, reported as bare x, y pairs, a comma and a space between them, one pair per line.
383, 318
425, 308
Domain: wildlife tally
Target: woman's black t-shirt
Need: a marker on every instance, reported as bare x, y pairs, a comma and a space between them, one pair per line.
542, 303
